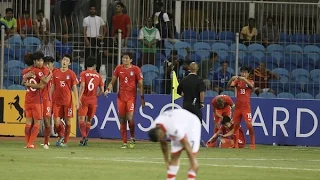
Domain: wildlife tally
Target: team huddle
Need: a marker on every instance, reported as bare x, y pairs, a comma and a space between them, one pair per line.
52, 91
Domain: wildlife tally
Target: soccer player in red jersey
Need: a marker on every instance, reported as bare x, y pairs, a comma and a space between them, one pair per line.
90, 81
64, 82
244, 88
224, 141
221, 106
33, 101
129, 76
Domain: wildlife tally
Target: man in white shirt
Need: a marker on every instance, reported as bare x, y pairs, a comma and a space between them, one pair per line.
94, 30
184, 130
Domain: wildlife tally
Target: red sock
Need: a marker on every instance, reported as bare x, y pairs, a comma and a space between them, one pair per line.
192, 175
61, 130
27, 132
88, 126
123, 131
67, 133
82, 126
236, 135
131, 127
47, 132
252, 135
34, 133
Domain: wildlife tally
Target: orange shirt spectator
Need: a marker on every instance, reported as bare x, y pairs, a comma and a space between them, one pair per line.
121, 21
25, 23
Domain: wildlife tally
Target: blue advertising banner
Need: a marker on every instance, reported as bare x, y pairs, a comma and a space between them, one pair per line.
281, 121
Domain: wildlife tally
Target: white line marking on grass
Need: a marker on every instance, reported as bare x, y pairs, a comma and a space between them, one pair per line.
137, 160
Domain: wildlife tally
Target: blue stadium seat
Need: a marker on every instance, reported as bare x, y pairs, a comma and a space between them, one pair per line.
188, 34
211, 93
75, 67
312, 89
134, 43
293, 88
270, 61
195, 58
281, 72
168, 45
313, 56
149, 77
7, 82
292, 48
134, 32
15, 40
311, 49
275, 48
284, 39
201, 46
287, 64
229, 93
317, 96
278, 87
315, 73
181, 45
314, 39
299, 72
56, 65
277, 55
216, 47
160, 58
182, 53
256, 48
204, 54
301, 80
16, 87
253, 94
304, 96
223, 55
20, 53
285, 95
149, 68
207, 35
300, 39
226, 35
15, 64
8, 55
14, 74
267, 95
242, 47
31, 44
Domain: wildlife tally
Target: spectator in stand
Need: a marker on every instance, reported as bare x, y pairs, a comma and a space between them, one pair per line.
149, 36
112, 11
172, 65
67, 8
10, 22
249, 33
261, 77
63, 47
47, 47
221, 78
94, 30
123, 22
25, 24
161, 22
208, 66
41, 24
270, 33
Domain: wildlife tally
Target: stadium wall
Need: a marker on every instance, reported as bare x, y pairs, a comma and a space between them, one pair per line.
280, 121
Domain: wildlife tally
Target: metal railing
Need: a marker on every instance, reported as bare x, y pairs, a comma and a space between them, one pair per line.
205, 27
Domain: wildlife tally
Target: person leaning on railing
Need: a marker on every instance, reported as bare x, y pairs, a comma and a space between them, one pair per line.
10, 22
249, 33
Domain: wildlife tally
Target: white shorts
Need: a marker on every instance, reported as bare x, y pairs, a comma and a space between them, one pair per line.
193, 136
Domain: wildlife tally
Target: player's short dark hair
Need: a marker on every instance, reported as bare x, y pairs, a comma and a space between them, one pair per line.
153, 134
130, 54
222, 62
28, 59
9, 10
48, 59
92, 6
91, 61
40, 11
68, 56
213, 55
251, 19
120, 4
225, 120
38, 55
245, 68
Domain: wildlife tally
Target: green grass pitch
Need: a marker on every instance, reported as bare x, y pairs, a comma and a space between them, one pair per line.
103, 159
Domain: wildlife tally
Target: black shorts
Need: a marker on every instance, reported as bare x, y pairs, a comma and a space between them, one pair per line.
194, 109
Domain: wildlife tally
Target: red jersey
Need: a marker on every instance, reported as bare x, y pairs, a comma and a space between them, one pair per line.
50, 84
92, 81
45, 91
120, 22
227, 101
33, 96
243, 93
63, 82
128, 78
241, 140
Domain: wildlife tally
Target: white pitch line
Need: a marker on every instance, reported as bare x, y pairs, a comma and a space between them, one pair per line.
136, 160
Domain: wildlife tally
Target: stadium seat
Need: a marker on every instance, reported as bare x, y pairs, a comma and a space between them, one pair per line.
242, 47
315, 73
207, 35
149, 77
16, 87
195, 57
313, 56
31, 44
134, 43
281, 72
204, 54
284, 39
304, 96
300, 39
14, 74
267, 95
253, 94
287, 64
211, 93
56, 65
182, 53
277, 55
314, 39
160, 58
292, 48
216, 47
161, 71
134, 32
229, 93
256, 48
15, 40
311, 49
149, 68
285, 95
275, 48
312, 88
15, 64
7, 82
301, 80
299, 72
201, 46
188, 34
181, 45
317, 96
226, 35
168, 45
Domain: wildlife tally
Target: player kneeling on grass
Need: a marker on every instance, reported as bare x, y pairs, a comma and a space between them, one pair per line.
223, 139
90, 81
184, 130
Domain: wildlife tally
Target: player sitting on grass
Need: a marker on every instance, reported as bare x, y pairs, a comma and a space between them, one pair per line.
222, 139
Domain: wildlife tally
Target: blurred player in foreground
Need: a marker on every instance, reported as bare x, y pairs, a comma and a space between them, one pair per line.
90, 81
244, 88
129, 76
184, 130
64, 82
223, 139
221, 106
33, 101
